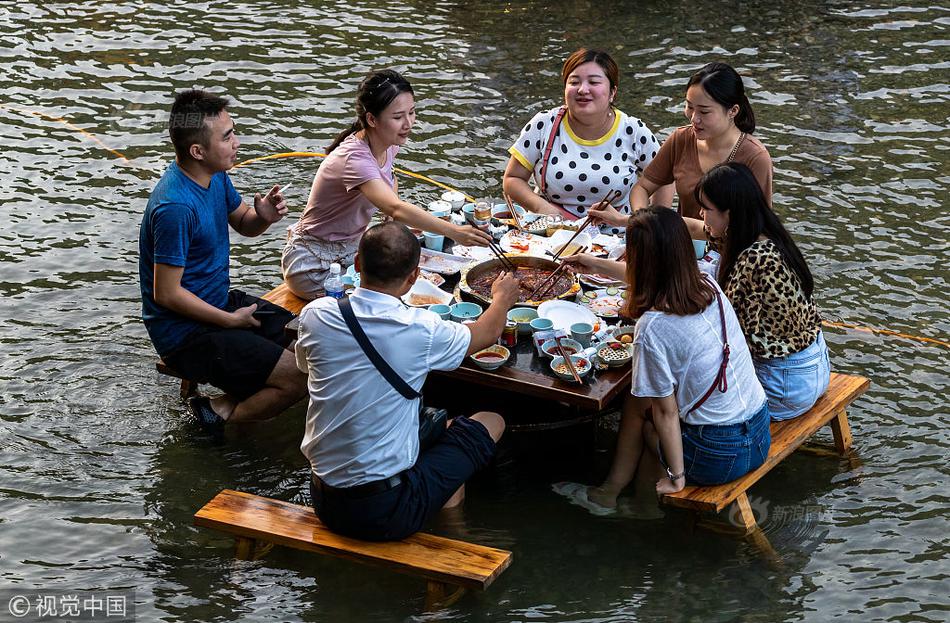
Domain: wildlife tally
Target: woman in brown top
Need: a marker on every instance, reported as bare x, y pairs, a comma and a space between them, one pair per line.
720, 130
769, 285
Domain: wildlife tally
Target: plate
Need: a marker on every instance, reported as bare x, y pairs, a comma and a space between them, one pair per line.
564, 313
479, 254
605, 303
442, 263
559, 238
423, 294
600, 281
522, 243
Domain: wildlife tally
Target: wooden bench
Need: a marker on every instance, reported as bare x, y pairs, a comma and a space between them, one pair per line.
448, 566
787, 436
281, 295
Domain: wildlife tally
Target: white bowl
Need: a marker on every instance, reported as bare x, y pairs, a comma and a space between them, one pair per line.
503, 354
582, 370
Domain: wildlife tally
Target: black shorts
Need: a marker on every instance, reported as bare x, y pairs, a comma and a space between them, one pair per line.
238, 361
464, 448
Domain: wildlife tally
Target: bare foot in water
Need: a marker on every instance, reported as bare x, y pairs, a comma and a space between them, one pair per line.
665, 485
602, 497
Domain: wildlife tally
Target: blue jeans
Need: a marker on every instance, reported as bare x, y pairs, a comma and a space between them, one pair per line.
713, 454
793, 383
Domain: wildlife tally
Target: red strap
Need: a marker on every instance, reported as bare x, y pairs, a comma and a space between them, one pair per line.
550, 146
720, 381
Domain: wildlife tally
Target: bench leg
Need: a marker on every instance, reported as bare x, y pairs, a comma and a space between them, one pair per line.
842, 432
250, 549
188, 389
441, 595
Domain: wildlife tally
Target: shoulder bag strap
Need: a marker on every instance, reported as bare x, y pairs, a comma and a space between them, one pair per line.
720, 381
384, 368
549, 147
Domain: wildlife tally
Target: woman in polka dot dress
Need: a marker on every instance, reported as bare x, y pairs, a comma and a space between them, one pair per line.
594, 150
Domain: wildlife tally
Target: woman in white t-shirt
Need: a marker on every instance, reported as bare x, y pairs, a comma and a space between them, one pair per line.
580, 152
710, 419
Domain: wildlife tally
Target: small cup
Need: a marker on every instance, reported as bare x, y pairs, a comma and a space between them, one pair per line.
442, 310
699, 248
433, 241
455, 198
542, 324
581, 331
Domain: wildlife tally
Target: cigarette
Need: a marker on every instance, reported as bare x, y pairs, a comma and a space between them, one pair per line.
284, 189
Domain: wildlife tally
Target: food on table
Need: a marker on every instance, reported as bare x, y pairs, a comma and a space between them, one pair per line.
530, 278
434, 278
605, 303
423, 299
553, 351
626, 338
541, 225
580, 365
444, 264
614, 352
489, 357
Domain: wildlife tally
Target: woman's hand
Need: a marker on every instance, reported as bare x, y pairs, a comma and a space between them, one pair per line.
469, 236
583, 263
607, 215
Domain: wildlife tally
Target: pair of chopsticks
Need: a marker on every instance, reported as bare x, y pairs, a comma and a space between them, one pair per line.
514, 213
548, 282
506, 262
567, 360
612, 196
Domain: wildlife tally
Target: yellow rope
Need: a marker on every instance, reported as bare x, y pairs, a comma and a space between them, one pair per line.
926, 340
312, 154
424, 178
69, 125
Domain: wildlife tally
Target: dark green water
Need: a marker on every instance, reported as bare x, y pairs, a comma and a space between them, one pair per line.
101, 469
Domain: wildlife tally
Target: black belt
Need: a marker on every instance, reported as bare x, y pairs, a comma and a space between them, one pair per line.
360, 491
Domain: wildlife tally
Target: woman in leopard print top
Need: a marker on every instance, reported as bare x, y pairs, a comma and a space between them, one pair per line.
768, 283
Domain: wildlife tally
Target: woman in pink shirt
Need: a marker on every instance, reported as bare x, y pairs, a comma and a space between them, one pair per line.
354, 181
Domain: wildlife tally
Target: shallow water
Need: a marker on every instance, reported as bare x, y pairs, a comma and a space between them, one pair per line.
101, 469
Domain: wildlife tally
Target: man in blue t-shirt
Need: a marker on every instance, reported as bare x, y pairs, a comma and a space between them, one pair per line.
199, 326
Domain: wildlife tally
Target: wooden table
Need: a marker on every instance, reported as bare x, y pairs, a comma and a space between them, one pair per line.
529, 375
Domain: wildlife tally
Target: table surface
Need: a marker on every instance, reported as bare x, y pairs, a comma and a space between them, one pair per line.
526, 373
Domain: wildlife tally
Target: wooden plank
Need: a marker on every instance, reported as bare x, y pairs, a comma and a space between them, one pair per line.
432, 557
841, 431
786, 437
281, 295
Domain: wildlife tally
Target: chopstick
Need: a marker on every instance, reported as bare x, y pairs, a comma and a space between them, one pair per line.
567, 360
545, 286
500, 254
514, 213
611, 196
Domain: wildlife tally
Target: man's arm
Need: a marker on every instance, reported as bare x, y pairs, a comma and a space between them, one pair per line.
487, 329
170, 295
267, 210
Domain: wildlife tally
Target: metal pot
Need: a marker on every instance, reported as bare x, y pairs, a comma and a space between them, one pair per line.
474, 271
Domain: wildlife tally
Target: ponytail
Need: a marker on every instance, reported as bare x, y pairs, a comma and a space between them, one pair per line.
745, 118
375, 92
355, 127
723, 83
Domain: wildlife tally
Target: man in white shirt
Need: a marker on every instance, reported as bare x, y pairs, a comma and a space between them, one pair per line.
369, 478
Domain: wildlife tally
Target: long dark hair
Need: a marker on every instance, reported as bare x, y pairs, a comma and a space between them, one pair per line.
376, 91
724, 85
731, 187
661, 266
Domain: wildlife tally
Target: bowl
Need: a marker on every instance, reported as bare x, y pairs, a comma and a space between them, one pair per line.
615, 354
572, 347
581, 363
491, 358
619, 332
442, 310
523, 316
465, 311
541, 324
468, 210
500, 212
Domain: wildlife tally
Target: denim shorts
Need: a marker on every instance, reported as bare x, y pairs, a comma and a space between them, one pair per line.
793, 383
713, 454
